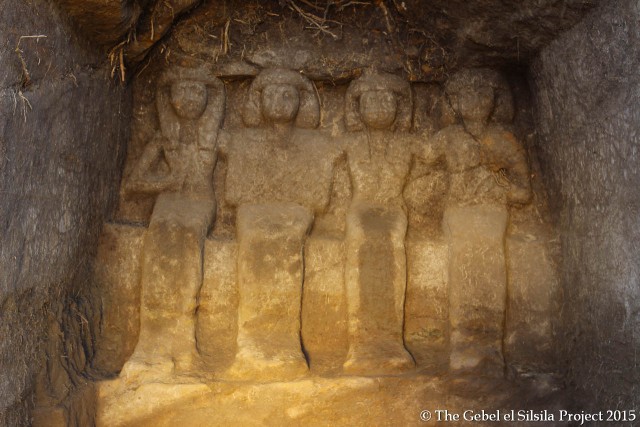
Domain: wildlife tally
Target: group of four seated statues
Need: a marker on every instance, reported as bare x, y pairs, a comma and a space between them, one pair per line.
280, 169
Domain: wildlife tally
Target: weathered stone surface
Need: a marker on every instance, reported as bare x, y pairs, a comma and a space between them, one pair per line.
324, 305
182, 155
323, 309
284, 150
283, 299
586, 89
217, 315
353, 401
54, 383
425, 40
154, 25
329, 41
278, 176
132, 26
104, 21
488, 171
426, 319
306, 402
63, 128
375, 279
532, 304
491, 32
425, 196
46, 43
171, 278
387, 179
116, 278
487, 164
270, 274
289, 292
82, 405
378, 112
49, 417
177, 166
477, 285
122, 405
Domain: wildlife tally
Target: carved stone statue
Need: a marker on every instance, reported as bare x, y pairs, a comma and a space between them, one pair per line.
378, 113
182, 156
178, 166
325, 276
290, 180
488, 172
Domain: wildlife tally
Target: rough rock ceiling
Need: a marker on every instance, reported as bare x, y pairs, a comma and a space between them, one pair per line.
427, 37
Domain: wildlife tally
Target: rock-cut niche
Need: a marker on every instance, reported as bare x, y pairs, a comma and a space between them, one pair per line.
279, 237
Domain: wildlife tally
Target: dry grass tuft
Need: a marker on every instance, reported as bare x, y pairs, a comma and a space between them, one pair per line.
116, 57
26, 76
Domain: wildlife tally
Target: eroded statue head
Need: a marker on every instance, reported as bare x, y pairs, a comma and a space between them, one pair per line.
378, 101
280, 103
378, 108
281, 96
189, 98
479, 96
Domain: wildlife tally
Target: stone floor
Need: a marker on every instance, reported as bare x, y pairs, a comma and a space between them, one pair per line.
320, 401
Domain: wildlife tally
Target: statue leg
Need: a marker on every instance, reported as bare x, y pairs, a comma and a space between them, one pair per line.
270, 273
375, 279
171, 276
477, 286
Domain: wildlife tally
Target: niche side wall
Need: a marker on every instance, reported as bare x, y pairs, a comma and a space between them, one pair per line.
63, 130
587, 93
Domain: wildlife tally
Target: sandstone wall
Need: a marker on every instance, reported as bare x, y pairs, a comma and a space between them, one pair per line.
63, 127
586, 86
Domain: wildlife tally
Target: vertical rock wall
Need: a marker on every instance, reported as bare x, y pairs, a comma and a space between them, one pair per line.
63, 126
587, 90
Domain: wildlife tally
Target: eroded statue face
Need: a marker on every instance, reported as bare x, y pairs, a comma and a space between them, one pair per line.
474, 104
280, 103
189, 98
378, 108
